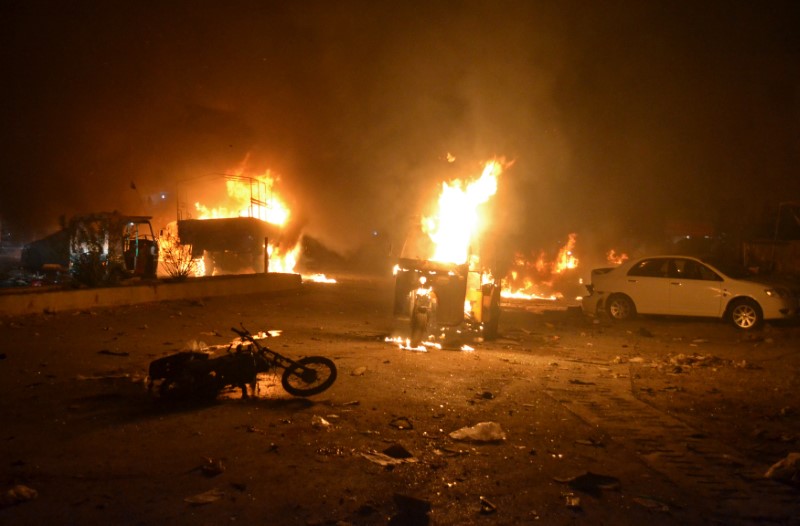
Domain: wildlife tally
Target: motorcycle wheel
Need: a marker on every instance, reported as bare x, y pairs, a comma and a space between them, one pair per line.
316, 374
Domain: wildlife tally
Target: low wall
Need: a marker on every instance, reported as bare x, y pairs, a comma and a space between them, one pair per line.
31, 302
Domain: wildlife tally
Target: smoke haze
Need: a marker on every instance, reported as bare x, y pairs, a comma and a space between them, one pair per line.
619, 116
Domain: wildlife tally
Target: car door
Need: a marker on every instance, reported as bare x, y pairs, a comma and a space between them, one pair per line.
647, 284
694, 289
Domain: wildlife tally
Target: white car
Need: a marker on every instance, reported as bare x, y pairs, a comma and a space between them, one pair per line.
685, 286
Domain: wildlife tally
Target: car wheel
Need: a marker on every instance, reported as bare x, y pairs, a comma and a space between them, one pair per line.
620, 308
746, 314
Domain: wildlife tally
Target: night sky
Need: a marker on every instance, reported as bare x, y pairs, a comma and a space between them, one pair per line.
620, 117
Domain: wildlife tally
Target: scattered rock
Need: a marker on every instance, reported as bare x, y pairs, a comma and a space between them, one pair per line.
319, 422
212, 467
207, 497
487, 507
481, 432
17, 495
591, 483
402, 423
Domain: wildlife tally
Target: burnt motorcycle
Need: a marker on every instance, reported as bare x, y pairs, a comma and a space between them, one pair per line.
199, 376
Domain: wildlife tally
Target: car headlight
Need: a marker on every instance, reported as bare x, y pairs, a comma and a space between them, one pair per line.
777, 293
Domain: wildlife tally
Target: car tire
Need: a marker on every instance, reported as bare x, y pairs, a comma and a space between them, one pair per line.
745, 314
620, 307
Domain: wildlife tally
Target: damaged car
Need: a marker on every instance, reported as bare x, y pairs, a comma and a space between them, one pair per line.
687, 286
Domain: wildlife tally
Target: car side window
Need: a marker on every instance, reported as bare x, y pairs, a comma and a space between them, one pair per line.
650, 268
690, 269
707, 274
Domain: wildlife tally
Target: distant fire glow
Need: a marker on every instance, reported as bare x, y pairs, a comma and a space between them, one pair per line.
614, 258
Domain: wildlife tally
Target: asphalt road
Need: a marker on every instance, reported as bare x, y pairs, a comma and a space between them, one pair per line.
657, 421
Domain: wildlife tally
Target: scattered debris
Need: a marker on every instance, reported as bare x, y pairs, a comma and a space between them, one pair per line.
575, 381
212, 467
385, 459
591, 483
17, 495
486, 395
652, 504
697, 360
480, 432
401, 422
397, 451
786, 470
206, 497
113, 353
644, 331
318, 421
359, 371
590, 442
487, 507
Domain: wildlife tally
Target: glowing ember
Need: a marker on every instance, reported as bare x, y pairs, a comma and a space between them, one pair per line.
458, 218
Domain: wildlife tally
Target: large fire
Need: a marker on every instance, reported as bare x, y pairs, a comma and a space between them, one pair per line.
248, 196
459, 218
536, 278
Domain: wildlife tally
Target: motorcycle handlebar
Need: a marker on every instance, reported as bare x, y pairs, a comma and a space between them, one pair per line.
242, 333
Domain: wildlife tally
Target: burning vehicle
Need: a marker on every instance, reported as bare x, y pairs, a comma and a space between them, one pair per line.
99, 248
443, 292
229, 245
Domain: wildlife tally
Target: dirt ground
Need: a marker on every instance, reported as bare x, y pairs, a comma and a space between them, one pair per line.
657, 421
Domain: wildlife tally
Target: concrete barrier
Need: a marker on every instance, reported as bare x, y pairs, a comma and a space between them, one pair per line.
18, 303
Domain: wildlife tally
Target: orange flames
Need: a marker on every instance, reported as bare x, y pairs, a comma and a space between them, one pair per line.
249, 197
536, 279
459, 217
252, 196
616, 259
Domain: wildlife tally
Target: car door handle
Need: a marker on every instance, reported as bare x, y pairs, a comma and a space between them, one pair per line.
676, 283
633, 281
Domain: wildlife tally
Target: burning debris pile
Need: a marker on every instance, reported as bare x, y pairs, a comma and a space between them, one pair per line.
542, 278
